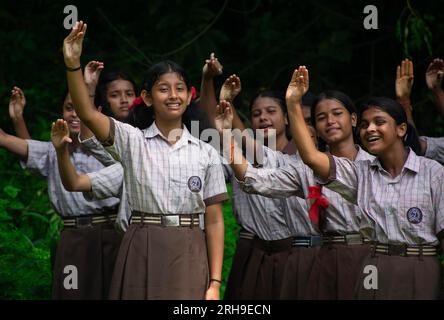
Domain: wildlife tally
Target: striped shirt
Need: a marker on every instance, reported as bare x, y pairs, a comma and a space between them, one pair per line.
435, 149
406, 209
108, 181
42, 158
264, 217
182, 178
292, 181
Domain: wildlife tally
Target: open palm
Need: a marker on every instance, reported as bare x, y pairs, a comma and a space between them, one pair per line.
72, 45
298, 86
60, 134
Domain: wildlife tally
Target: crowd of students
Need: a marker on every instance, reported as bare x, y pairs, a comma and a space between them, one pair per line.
329, 191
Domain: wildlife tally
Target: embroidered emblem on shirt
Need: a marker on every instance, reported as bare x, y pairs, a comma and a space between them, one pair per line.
414, 215
194, 184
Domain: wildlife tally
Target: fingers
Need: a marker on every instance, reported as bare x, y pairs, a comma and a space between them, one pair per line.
398, 72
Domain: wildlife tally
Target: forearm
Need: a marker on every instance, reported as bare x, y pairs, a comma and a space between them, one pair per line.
208, 100
214, 230
85, 109
20, 128
316, 160
15, 145
439, 100
68, 174
407, 106
233, 154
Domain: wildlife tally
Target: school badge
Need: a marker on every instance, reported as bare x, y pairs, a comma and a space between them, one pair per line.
414, 215
194, 183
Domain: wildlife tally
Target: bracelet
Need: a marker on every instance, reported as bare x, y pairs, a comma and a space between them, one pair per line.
216, 280
73, 69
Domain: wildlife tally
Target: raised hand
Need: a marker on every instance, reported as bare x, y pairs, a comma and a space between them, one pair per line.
60, 134
231, 88
224, 117
72, 45
212, 67
298, 86
92, 73
434, 74
17, 103
404, 79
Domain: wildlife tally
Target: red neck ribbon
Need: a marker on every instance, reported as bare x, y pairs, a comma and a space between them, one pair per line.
314, 192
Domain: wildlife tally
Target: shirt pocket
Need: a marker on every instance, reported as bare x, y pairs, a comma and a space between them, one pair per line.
417, 216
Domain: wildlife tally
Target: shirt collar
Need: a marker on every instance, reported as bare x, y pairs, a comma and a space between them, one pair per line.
153, 131
412, 163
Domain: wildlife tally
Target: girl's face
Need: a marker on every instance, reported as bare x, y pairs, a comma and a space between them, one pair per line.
120, 96
267, 114
379, 131
70, 116
169, 97
333, 121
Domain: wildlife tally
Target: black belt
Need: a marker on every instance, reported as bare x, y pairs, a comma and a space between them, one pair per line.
88, 220
166, 220
272, 246
348, 239
404, 250
311, 241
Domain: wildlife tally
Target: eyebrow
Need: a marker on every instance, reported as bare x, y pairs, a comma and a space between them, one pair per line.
335, 109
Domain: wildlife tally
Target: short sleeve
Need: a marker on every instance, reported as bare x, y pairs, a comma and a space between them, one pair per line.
343, 177
38, 157
435, 149
121, 137
94, 147
215, 189
106, 182
438, 202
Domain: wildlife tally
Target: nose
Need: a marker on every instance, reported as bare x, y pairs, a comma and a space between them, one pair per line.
371, 127
173, 93
124, 98
74, 114
330, 118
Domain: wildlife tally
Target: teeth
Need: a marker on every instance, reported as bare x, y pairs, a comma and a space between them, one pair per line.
371, 139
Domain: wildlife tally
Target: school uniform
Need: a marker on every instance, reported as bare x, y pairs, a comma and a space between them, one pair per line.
403, 216
88, 242
334, 267
163, 254
260, 270
435, 149
108, 182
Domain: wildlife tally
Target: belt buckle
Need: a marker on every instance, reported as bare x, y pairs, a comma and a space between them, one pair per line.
170, 221
353, 239
397, 250
83, 222
315, 241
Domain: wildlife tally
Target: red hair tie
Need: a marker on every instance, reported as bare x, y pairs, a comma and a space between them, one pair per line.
314, 192
136, 102
193, 93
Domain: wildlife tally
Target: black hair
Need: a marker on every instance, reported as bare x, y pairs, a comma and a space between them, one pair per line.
343, 99
142, 116
276, 95
102, 87
397, 112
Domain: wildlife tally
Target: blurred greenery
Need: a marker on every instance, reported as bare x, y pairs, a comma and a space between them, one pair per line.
260, 40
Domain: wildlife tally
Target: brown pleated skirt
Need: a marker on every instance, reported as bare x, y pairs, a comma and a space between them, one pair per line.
265, 268
297, 271
402, 278
336, 271
161, 263
233, 290
84, 262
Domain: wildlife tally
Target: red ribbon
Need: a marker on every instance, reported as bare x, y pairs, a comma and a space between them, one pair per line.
193, 93
314, 192
136, 102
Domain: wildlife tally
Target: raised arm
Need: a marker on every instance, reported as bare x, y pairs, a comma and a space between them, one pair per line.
433, 76
15, 145
17, 104
316, 160
229, 91
403, 87
71, 180
93, 119
208, 102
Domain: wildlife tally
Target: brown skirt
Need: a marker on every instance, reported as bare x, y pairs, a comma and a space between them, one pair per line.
84, 262
297, 271
402, 278
336, 271
233, 290
265, 268
161, 263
